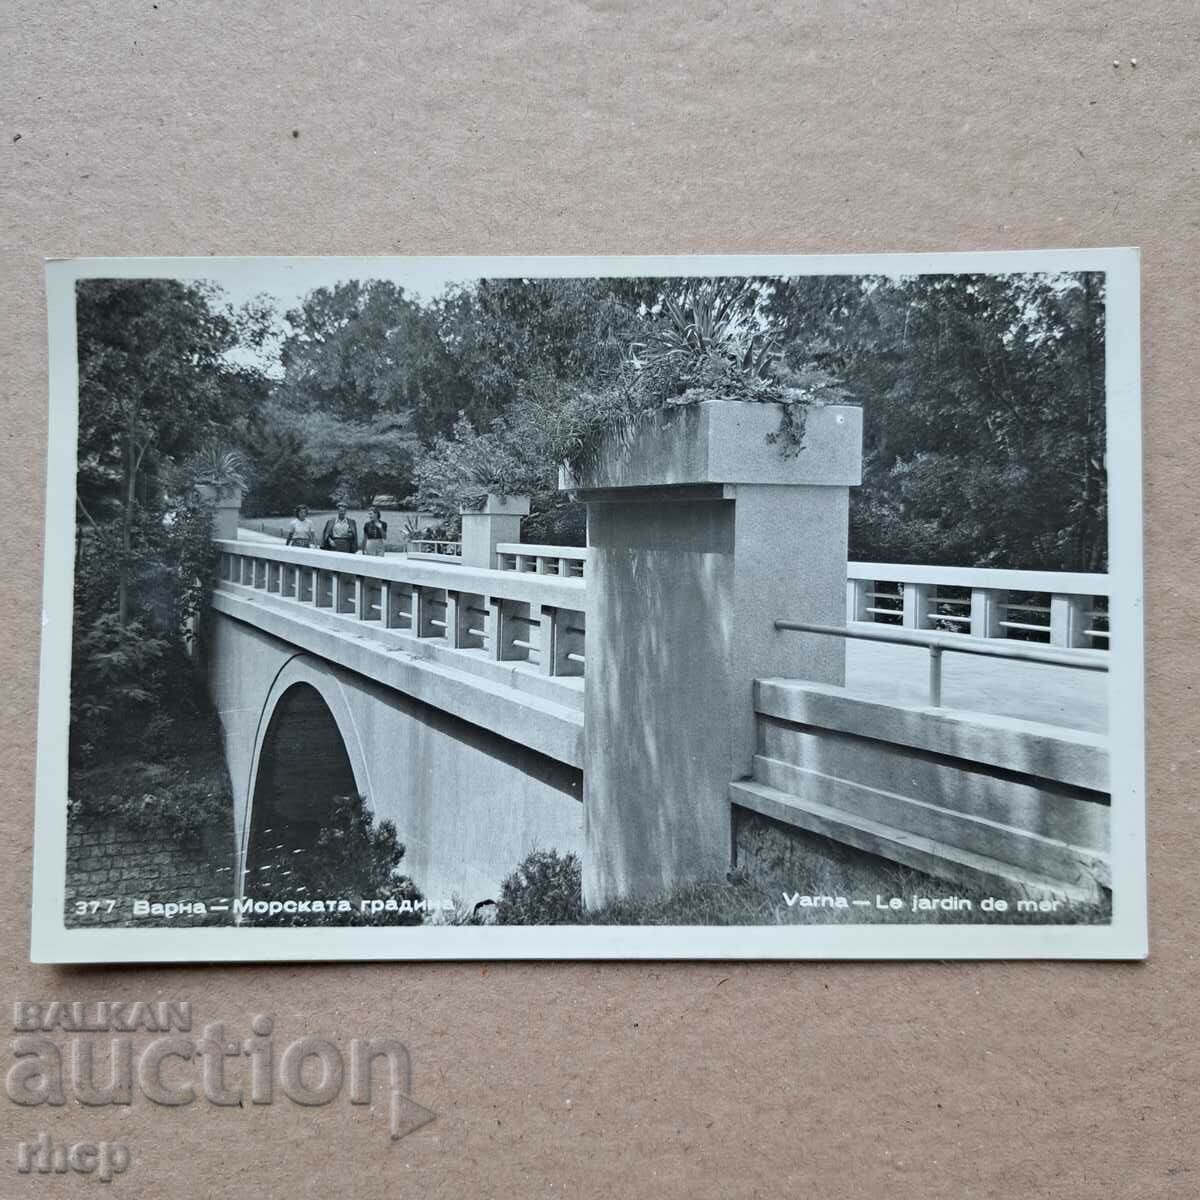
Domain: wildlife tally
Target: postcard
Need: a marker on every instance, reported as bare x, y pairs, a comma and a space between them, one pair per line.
755, 606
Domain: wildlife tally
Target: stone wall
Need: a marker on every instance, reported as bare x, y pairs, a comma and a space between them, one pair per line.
124, 862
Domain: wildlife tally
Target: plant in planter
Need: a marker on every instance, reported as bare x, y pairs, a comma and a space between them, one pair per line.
217, 471
712, 345
701, 395
216, 478
717, 505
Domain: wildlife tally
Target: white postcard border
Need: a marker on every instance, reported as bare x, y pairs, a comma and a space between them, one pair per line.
1126, 937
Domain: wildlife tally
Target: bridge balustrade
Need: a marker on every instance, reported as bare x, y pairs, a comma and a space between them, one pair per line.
1063, 609
430, 549
521, 618
568, 562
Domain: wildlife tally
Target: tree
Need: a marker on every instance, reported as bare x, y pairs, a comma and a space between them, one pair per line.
983, 410
982, 395
358, 459
159, 398
281, 475
153, 384
363, 349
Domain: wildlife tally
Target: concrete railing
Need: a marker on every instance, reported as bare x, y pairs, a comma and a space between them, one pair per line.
1057, 608
566, 561
427, 548
505, 616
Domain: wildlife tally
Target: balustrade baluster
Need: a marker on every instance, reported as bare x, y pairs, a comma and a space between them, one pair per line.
455, 619
494, 626
362, 598
987, 611
858, 599
505, 631
429, 613
1070, 617
397, 603
916, 605
546, 637
323, 590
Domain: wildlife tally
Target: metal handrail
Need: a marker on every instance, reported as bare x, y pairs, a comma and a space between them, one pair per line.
938, 644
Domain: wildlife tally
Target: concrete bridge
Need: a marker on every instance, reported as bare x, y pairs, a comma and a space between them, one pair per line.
638, 704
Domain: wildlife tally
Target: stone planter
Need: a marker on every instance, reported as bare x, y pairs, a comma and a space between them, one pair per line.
726, 442
227, 509
701, 534
484, 529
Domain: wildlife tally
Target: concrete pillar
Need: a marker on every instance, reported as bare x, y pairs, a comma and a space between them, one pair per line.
701, 535
482, 531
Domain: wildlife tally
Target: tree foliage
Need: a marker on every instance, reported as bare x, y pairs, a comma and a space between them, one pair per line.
159, 399
983, 399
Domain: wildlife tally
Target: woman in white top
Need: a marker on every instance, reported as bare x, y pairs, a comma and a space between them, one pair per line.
301, 532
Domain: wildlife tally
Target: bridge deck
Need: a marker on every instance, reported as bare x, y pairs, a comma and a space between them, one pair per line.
1032, 691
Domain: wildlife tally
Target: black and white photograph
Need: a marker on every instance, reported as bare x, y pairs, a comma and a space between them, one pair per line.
750, 606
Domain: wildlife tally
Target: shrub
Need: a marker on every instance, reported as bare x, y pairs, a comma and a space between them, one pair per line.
546, 889
348, 856
188, 808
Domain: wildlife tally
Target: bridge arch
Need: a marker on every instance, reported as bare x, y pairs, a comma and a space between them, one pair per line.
307, 749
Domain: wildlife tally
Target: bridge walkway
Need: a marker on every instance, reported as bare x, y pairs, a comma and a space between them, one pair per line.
1038, 692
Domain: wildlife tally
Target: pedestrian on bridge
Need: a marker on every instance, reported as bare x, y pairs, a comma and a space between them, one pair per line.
341, 532
301, 532
374, 533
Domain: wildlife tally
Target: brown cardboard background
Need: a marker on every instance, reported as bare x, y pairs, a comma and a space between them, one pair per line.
609, 127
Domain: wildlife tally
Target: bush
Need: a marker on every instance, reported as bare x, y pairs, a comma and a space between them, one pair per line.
348, 856
188, 803
546, 889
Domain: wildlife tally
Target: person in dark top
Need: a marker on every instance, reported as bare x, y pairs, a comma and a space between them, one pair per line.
341, 533
374, 532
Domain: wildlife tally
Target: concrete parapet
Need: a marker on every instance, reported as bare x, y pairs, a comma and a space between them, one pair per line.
1049, 752
982, 800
